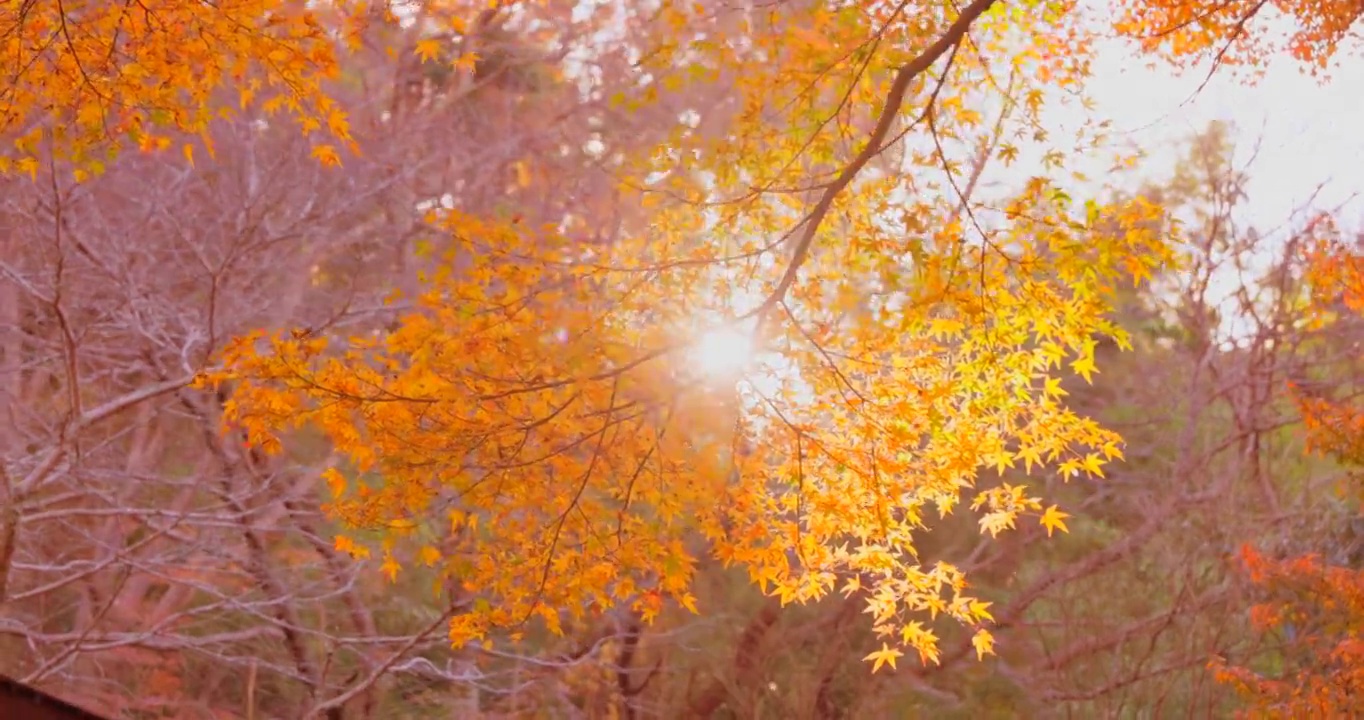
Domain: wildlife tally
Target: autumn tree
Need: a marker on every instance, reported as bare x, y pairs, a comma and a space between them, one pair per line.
1311, 603
152, 563
86, 81
551, 404
1124, 610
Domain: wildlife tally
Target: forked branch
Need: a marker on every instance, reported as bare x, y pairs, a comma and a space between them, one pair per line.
875, 144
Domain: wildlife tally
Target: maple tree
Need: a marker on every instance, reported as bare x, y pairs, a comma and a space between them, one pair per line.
1127, 610
1318, 609
546, 406
1315, 606
111, 291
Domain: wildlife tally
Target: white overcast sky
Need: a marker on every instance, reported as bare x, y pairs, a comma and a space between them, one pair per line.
1309, 132
1310, 135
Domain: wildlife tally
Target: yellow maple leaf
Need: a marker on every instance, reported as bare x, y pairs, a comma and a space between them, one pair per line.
997, 522
390, 568
984, 643
980, 610
853, 585
1053, 518
428, 49
326, 154
885, 656
1031, 455
1093, 465
1084, 366
1000, 461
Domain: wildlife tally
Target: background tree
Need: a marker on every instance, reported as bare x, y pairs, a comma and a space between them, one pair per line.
1309, 602
152, 562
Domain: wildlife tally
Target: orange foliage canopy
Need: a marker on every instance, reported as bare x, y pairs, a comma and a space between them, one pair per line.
93, 77
1241, 32
561, 405
1319, 608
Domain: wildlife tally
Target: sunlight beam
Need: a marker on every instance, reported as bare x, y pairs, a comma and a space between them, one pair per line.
723, 352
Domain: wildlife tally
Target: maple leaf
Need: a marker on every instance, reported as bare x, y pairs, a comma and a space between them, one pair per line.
1093, 465
1031, 456
997, 522
428, 49
984, 643
326, 154
885, 656
851, 586
1084, 365
1054, 519
390, 568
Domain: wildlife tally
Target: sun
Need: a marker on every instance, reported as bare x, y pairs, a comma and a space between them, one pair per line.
723, 352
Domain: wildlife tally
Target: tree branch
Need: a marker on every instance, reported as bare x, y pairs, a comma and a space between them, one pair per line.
894, 99
90, 417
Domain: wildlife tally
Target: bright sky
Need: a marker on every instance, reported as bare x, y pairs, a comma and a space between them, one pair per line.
1310, 132
1310, 135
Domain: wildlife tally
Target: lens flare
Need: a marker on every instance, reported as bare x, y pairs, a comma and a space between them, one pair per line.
724, 352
